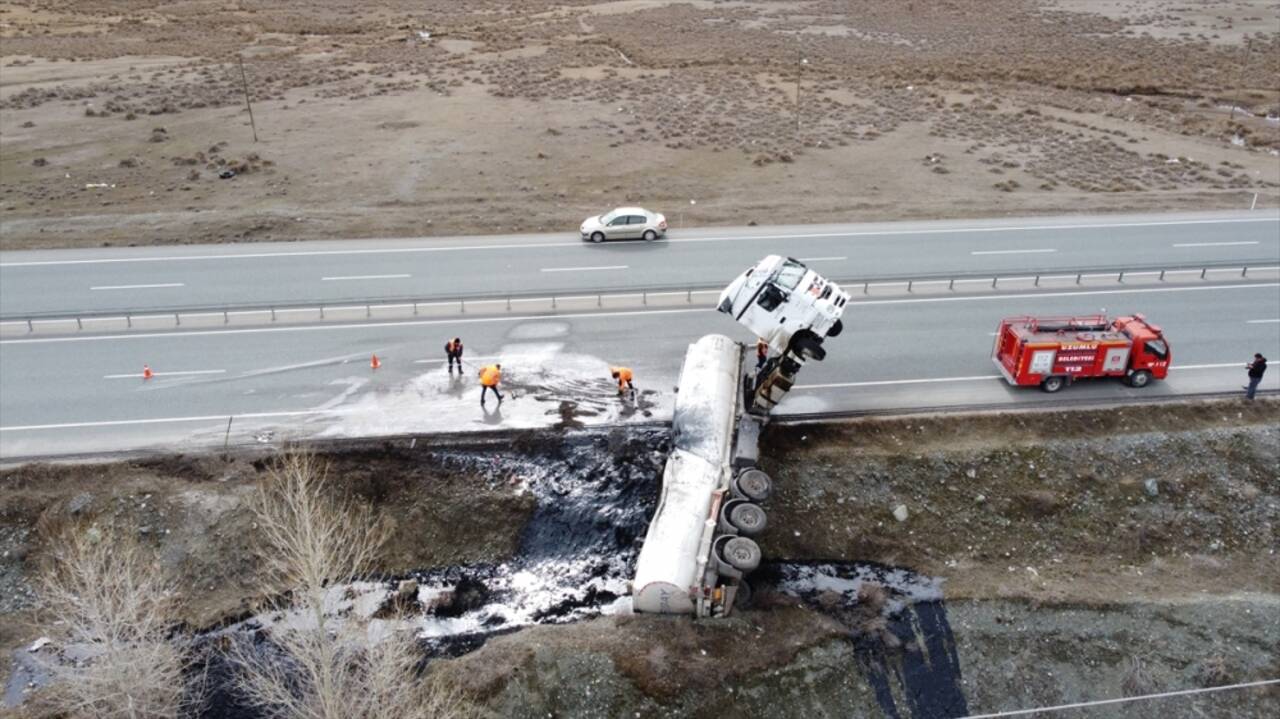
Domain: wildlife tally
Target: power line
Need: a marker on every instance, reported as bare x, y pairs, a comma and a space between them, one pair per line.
1101, 702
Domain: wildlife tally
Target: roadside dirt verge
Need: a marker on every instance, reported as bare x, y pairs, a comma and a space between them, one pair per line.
125, 123
1060, 571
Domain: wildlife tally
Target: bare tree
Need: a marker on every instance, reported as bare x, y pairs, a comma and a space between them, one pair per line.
115, 605
319, 666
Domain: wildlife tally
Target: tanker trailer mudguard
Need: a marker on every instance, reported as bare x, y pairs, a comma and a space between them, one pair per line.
699, 547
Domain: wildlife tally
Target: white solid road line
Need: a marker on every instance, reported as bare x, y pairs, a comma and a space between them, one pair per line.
584, 269
339, 411
1213, 244
586, 315
823, 259
468, 360
1012, 252
366, 277
169, 420
138, 375
879, 383
1262, 322
977, 378
138, 287
540, 245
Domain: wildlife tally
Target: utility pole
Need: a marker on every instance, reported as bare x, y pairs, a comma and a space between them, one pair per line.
1243, 67
800, 63
244, 83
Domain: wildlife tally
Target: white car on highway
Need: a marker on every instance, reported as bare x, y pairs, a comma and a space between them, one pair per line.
625, 223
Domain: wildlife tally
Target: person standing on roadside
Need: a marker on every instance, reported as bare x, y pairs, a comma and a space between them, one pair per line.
490, 376
1257, 368
453, 351
762, 353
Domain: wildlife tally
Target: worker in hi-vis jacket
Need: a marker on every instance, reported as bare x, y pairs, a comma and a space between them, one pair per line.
490, 376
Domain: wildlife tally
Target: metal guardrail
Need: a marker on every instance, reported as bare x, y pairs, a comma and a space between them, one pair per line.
850, 284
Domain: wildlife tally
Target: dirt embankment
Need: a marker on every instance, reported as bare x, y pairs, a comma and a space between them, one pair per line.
1158, 503
1066, 573
194, 511
125, 123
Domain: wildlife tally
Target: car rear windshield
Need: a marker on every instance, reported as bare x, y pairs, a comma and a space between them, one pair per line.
789, 275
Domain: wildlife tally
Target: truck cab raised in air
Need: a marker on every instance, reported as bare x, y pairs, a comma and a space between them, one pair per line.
787, 304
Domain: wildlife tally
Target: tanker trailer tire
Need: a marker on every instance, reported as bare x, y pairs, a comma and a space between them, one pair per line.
1053, 384
836, 329
753, 484
749, 519
1140, 379
741, 553
742, 599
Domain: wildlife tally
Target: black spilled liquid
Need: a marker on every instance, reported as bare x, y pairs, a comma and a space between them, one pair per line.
595, 492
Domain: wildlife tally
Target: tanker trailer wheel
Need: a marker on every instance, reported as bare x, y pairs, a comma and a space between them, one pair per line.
754, 485
741, 553
742, 599
836, 329
1053, 384
749, 519
1140, 379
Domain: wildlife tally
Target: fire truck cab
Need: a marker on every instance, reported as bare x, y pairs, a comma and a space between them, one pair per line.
1054, 351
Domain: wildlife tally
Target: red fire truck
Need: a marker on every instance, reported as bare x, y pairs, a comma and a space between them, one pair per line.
1053, 351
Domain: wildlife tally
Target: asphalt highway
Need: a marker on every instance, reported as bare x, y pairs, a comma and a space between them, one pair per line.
67, 281
84, 393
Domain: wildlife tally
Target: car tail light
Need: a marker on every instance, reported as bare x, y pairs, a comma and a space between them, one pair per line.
662, 225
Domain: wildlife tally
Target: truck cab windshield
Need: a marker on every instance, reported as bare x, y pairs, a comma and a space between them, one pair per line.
789, 275
1158, 348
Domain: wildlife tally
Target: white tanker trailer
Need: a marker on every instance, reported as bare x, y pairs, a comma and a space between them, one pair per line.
699, 545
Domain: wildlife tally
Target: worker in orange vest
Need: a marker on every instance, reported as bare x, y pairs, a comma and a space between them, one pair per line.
490, 376
453, 351
623, 376
762, 352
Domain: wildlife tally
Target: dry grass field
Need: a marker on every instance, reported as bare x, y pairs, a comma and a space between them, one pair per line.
397, 118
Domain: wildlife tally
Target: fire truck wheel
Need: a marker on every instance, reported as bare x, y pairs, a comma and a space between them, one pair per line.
741, 553
1053, 384
836, 329
1141, 378
748, 518
754, 485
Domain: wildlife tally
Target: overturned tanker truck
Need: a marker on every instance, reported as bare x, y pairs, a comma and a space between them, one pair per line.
699, 547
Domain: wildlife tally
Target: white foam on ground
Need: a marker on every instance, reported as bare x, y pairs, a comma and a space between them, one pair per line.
537, 378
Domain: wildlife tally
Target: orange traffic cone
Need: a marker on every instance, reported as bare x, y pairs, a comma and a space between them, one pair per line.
146, 372
375, 363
